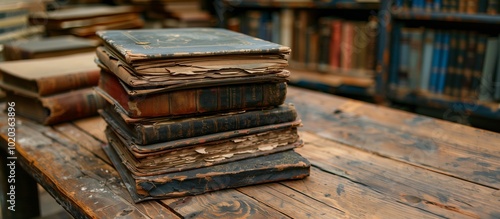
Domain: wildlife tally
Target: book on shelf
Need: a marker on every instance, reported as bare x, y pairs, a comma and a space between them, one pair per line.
85, 21
163, 129
158, 102
45, 76
449, 6
55, 108
47, 47
263, 169
198, 152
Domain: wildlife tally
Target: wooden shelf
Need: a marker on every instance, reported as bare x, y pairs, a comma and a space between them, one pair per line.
442, 16
302, 4
332, 83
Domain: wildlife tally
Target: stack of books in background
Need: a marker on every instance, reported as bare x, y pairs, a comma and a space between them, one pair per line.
85, 21
194, 110
14, 19
450, 6
179, 13
52, 90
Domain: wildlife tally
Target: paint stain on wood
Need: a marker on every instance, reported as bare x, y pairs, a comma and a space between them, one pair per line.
340, 189
412, 199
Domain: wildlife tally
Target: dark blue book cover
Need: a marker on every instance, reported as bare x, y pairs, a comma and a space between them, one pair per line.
452, 62
443, 64
146, 44
436, 58
395, 56
460, 63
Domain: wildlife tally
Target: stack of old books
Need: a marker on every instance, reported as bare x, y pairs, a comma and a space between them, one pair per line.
194, 110
52, 90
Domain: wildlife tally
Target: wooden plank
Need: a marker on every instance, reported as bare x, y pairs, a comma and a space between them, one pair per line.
83, 184
411, 185
77, 136
291, 202
441, 146
227, 203
95, 126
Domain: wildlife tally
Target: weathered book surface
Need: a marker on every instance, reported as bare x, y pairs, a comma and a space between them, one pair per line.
204, 151
128, 76
158, 102
136, 45
193, 51
56, 108
47, 47
155, 130
45, 76
275, 167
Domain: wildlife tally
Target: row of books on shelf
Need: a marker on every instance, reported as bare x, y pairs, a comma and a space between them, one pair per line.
14, 21
326, 44
453, 63
451, 6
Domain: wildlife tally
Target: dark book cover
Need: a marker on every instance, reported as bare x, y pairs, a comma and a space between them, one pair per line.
47, 47
80, 13
155, 130
275, 167
443, 65
56, 108
470, 56
47, 76
134, 45
436, 60
157, 102
197, 152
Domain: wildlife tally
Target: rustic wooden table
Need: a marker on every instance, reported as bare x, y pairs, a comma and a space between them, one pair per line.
368, 162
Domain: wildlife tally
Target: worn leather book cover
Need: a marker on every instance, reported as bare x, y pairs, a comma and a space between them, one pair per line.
158, 102
47, 47
127, 75
155, 130
197, 152
56, 108
287, 165
193, 52
46, 76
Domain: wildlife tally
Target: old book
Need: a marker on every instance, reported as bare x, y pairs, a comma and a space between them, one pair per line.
197, 152
171, 82
81, 16
427, 56
275, 167
47, 47
158, 102
193, 51
155, 130
45, 76
56, 108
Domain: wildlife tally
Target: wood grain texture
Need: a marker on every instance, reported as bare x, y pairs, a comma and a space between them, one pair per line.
82, 183
229, 204
435, 193
463, 152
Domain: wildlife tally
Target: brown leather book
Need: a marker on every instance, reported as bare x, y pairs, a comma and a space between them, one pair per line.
47, 47
46, 76
157, 102
56, 108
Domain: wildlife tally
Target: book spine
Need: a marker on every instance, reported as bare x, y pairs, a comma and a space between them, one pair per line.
490, 57
58, 84
460, 64
286, 27
335, 44
436, 58
71, 105
149, 134
438, 4
443, 65
194, 101
478, 65
371, 47
395, 56
492, 8
415, 56
346, 45
404, 53
497, 76
482, 6
452, 58
427, 59
324, 43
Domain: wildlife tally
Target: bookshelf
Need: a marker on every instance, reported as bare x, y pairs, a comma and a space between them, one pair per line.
445, 56
341, 64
